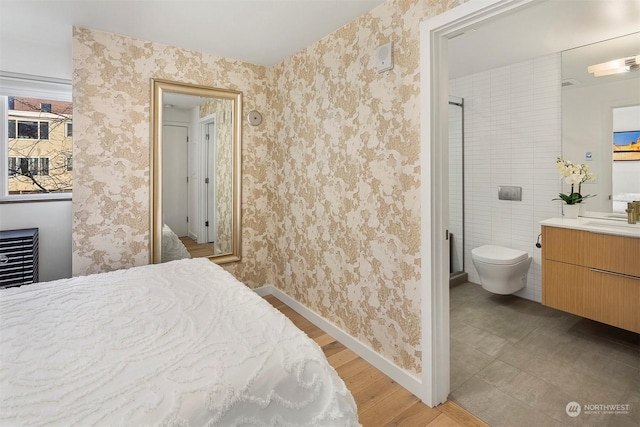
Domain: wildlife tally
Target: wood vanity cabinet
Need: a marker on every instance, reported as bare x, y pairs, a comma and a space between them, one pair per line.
592, 275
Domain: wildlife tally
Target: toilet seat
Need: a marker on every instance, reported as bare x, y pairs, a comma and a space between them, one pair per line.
498, 255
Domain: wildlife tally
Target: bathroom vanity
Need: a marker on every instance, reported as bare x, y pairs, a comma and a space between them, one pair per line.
591, 268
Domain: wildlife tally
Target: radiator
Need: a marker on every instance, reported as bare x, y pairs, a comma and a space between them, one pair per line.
18, 257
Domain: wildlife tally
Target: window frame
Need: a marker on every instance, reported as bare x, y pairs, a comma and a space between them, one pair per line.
37, 123
28, 86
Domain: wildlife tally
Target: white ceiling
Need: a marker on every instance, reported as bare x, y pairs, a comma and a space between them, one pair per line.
268, 31
543, 28
255, 31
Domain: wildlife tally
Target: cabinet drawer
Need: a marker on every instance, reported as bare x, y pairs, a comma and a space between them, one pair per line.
602, 251
564, 244
602, 296
613, 253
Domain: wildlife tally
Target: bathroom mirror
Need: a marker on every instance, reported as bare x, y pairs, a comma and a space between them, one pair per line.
195, 167
601, 120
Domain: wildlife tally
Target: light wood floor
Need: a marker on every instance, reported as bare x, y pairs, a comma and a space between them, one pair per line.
197, 250
381, 401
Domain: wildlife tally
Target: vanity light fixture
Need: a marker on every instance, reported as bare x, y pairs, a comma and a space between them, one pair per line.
616, 66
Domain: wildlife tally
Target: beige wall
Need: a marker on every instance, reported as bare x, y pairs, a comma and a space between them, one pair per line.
348, 206
223, 169
111, 201
331, 179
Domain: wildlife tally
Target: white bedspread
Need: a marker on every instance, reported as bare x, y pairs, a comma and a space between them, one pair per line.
181, 343
172, 247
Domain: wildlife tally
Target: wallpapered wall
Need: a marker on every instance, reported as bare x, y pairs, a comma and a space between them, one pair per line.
347, 143
111, 200
330, 181
223, 183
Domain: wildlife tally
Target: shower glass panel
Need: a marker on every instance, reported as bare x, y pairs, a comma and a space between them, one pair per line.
456, 185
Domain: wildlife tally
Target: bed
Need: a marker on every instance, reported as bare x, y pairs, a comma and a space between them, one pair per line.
181, 343
172, 247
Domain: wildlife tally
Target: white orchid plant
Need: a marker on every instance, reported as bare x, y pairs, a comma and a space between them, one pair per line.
573, 175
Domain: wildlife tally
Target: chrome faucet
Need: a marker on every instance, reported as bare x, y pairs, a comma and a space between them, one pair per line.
633, 212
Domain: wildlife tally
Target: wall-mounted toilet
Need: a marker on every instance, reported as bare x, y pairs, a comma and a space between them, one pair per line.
501, 270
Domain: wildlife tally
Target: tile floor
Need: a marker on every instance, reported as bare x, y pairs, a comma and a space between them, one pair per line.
515, 362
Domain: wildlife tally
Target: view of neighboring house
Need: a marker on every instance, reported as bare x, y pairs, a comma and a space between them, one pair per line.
39, 147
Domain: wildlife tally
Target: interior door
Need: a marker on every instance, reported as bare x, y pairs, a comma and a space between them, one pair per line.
174, 178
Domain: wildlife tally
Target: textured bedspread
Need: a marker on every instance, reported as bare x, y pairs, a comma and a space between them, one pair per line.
172, 248
181, 343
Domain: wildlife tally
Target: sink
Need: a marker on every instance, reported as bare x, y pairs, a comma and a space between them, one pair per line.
619, 217
612, 224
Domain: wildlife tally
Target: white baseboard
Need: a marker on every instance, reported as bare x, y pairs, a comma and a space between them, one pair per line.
399, 375
265, 290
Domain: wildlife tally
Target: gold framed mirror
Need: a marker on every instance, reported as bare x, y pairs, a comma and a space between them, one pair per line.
195, 172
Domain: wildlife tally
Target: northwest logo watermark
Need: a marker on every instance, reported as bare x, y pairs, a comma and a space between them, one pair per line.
574, 409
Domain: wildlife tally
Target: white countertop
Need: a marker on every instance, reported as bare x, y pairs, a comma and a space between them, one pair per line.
596, 224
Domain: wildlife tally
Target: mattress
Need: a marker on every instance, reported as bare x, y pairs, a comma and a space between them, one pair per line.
180, 343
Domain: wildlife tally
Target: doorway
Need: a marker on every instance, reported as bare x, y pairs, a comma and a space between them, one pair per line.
434, 158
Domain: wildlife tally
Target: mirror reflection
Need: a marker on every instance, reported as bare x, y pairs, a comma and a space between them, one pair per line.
196, 172
601, 119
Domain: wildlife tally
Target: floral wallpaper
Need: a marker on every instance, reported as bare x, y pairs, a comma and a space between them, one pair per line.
331, 179
347, 144
111, 199
223, 110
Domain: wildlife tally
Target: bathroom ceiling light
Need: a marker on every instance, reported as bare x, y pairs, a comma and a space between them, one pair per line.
616, 66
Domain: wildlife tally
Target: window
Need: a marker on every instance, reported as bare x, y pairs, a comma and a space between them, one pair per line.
44, 130
37, 166
28, 166
37, 149
27, 129
13, 166
11, 131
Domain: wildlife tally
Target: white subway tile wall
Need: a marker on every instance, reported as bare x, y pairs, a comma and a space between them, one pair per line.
512, 130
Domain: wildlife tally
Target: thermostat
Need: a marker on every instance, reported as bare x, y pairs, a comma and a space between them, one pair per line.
254, 118
384, 57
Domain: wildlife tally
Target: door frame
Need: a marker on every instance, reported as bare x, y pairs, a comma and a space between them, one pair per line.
434, 99
206, 173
